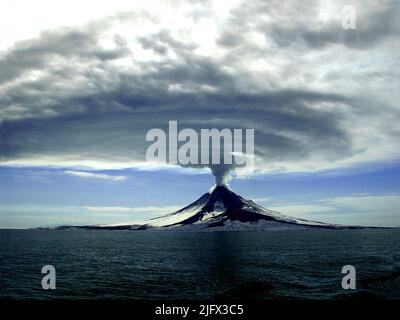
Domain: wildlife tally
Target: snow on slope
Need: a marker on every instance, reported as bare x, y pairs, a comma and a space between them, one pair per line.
179, 216
221, 209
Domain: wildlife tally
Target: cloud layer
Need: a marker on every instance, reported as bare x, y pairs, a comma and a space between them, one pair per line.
103, 176
317, 96
366, 210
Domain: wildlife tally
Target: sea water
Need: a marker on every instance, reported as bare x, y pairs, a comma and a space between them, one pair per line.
192, 265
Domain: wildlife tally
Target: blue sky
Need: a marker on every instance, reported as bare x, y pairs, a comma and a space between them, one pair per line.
31, 197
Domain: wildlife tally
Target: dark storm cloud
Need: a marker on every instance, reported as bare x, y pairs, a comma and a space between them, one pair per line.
162, 41
36, 54
294, 23
76, 44
106, 134
86, 105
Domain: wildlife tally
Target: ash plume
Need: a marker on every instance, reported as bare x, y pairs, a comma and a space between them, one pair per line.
221, 173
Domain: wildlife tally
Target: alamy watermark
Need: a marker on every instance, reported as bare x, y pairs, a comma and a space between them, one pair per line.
211, 147
345, 15
349, 280
349, 17
49, 280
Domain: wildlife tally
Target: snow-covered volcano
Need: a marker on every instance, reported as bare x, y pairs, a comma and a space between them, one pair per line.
222, 209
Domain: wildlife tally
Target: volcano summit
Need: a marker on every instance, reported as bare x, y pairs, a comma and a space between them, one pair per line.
221, 209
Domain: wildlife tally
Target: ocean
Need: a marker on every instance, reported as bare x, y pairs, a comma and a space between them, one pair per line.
189, 265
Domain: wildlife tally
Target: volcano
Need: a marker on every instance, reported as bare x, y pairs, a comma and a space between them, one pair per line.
221, 209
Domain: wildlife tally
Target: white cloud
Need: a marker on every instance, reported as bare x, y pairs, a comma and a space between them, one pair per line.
369, 203
83, 174
301, 209
262, 199
140, 214
147, 210
357, 210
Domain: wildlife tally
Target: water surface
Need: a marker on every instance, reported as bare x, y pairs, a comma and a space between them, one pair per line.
180, 265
